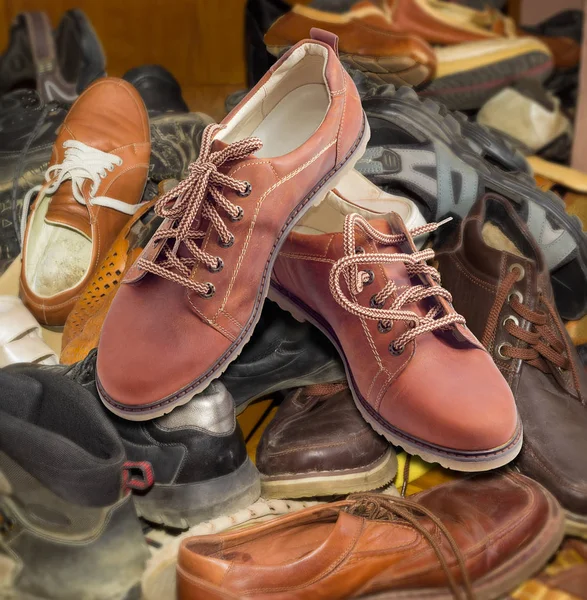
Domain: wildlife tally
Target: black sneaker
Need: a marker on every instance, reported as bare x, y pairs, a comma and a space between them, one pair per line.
68, 528
195, 461
58, 65
28, 128
418, 148
282, 354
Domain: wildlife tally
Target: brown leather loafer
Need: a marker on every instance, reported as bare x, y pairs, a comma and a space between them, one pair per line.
417, 374
319, 445
191, 301
94, 183
501, 284
471, 538
366, 42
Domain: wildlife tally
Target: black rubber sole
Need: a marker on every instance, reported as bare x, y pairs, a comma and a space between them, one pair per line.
469, 90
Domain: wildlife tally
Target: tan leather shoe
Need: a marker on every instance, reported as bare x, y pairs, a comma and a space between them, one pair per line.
472, 538
190, 303
445, 23
417, 374
366, 42
94, 183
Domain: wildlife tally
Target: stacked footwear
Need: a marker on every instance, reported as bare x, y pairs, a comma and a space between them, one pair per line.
171, 332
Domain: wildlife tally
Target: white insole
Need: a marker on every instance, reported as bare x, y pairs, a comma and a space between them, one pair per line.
58, 257
293, 120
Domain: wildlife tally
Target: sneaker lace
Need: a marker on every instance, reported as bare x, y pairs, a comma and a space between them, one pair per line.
199, 196
415, 264
384, 508
80, 164
547, 349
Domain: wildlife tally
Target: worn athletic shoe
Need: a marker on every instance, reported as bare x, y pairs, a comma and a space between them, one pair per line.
461, 539
468, 75
318, 444
532, 119
58, 65
199, 286
476, 138
191, 465
365, 41
412, 365
68, 528
500, 283
418, 149
94, 183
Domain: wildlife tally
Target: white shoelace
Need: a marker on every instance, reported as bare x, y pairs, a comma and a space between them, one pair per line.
81, 162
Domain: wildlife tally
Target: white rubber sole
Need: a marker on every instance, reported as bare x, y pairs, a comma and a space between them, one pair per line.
146, 414
333, 483
450, 459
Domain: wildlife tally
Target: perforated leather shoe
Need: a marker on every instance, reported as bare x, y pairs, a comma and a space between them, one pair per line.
191, 301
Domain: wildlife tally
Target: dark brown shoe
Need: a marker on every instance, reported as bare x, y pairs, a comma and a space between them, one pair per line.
319, 445
500, 283
471, 538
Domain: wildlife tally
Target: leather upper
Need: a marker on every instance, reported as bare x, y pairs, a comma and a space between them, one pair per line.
325, 552
109, 116
417, 391
318, 428
436, 26
553, 412
363, 34
179, 338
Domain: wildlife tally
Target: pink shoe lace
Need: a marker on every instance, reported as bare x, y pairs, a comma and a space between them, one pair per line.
415, 264
195, 199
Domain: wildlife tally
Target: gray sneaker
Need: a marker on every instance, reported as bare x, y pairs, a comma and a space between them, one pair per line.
68, 528
419, 149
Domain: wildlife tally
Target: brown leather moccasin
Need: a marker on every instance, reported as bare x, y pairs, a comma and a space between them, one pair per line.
319, 445
472, 539
94, 183
417, 374
366, 42
191, 301
501, 284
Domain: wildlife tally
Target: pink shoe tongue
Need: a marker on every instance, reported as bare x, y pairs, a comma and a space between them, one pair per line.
64, 209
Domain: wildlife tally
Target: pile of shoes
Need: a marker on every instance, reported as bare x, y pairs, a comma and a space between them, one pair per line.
387, 272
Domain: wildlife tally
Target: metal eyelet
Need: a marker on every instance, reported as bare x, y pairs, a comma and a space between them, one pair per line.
381, 328
219, 266
511, 318
518, 295
500, 351
247, 192
371, 277
240, 214
359, 250
394, 350
211, 291
374, 304
520, 268
227, 244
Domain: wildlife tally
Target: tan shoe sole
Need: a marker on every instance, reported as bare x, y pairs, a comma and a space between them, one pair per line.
330, 483
446, 457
